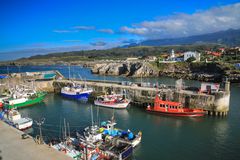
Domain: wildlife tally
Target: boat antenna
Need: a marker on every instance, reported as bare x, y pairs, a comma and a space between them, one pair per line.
113, 116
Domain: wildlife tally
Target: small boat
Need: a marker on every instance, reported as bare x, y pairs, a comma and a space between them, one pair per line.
116, 101
96, 145
171, 108
24, 99
18, 121
76, 92
108, 129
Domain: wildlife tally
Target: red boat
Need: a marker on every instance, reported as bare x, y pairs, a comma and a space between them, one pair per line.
174, 109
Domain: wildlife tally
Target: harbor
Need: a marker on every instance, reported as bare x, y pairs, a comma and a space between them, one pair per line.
215, 104
120, 80
55, 108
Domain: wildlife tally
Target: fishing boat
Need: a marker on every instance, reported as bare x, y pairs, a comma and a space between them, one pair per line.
171, 108
76, 92
96, 145
18, 121
24, 99
116, 101
108, 129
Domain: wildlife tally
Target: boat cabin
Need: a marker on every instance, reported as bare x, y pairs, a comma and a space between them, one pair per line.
166, 104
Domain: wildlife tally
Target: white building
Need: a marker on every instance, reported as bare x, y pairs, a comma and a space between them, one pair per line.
189, 54
172, 54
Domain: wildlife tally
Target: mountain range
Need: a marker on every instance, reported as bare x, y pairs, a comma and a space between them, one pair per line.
230, 37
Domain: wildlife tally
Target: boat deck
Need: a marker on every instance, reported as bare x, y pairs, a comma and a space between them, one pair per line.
13, 147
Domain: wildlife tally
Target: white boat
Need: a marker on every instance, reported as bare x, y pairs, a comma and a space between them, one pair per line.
116, 101
19, 122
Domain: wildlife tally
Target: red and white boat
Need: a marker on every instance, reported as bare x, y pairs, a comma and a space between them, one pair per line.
174, 109
116, 101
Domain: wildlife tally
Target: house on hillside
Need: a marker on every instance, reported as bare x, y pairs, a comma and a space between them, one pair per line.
195, 54
149, 58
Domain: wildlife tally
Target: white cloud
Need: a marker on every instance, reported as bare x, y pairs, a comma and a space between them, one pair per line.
109, 31
64, 31
84, 27
179, 25
99, 43
72, 40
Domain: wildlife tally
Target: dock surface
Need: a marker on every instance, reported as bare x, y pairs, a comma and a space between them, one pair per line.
13, 147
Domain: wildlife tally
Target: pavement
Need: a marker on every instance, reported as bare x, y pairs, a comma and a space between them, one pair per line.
13, 147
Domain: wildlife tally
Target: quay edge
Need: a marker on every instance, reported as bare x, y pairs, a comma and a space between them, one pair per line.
216, 104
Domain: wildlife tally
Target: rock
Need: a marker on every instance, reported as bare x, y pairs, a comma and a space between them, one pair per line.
196, 71
135, 69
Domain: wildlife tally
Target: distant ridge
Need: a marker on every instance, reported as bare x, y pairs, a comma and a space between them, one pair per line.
229, 37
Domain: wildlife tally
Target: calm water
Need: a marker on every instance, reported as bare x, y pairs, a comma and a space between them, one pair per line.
163, 137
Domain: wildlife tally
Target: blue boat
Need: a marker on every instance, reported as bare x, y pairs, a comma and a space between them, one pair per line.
76, 92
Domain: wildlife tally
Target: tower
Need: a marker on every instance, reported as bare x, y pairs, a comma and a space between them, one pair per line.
172, 55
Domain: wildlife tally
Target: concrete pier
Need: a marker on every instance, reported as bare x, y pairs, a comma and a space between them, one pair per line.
215, 104
13, 147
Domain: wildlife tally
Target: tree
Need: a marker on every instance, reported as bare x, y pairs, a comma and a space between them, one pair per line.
191, 59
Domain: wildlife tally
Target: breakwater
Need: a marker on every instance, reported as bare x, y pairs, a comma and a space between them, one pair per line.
214, 104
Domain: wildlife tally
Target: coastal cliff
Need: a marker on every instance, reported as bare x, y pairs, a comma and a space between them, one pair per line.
213, 72
133, 69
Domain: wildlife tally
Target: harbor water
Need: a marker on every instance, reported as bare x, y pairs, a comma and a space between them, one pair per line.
163, 137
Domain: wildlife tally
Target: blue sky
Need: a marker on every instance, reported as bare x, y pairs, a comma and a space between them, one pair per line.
30, 27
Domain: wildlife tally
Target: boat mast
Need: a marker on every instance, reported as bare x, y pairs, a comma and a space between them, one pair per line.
69, 71
65, 130
68, 130
60, 128
98, 116
92, 115
8, 77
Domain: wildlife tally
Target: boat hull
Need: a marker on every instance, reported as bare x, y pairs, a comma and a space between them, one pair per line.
179, 114
24, 126
114, 105
82, 96
29, 102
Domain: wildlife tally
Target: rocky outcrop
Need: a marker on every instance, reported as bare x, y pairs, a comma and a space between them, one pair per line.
209, 72
134, 69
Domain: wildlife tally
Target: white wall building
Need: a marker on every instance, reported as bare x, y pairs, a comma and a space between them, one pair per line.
192, 54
